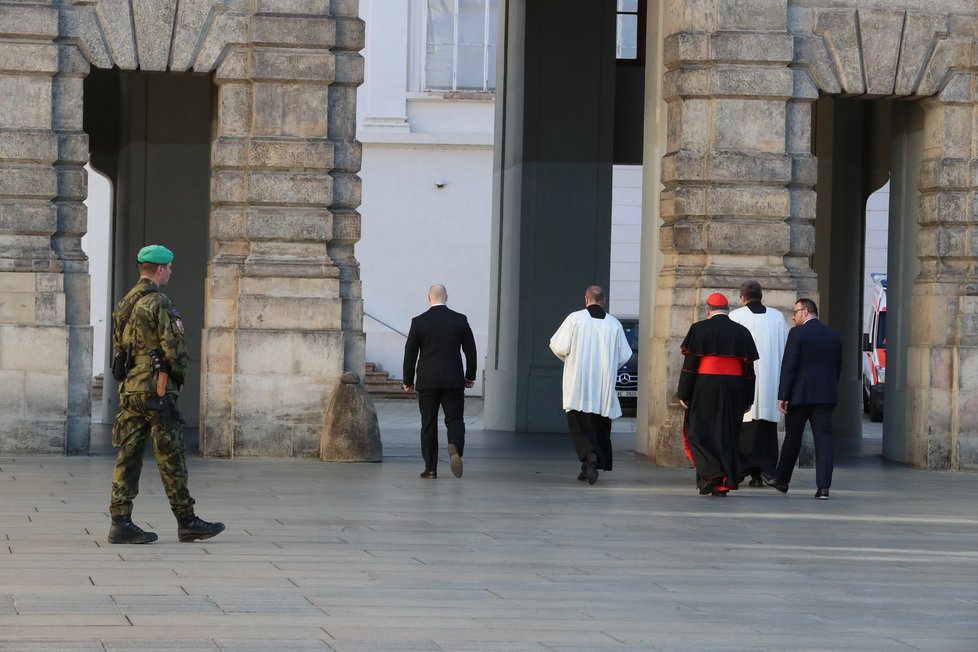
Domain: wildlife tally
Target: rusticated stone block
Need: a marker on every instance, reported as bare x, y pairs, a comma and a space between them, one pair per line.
68, 103
28, 146
28, 217
752, 15
342, 104
72, 183
944, 173
838, 28
25, 102
82, 23
294, 225
293, 31
351, 35
348, 156
346, 8
290, 188
685, 48
291, 110
948, 54
351, 432
753, 125
745, 47
34, 348
690, 15
958, 90
812, 54
284, 313
306, 153
28, 182
226, 29
72, 147
153, 43
296, 288
919, 33
349, 69
753, 201
751, 81
308, 7
46, 395
743, 238
29, 21
228, 223
190, 21
346, 190
229, 187
21, 57
293, 65
234, 109
879, 30
115, 18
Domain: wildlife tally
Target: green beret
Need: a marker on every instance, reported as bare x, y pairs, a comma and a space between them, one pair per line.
156, 254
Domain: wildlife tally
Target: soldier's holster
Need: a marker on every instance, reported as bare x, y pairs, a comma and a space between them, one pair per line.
165, 412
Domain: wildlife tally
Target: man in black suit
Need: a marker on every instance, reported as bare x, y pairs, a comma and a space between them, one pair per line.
810, 370
439, 334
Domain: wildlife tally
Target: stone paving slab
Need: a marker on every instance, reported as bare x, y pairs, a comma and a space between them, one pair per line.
516, 555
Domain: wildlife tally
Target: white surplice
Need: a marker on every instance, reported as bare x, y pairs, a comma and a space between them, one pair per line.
592, 350
770, 332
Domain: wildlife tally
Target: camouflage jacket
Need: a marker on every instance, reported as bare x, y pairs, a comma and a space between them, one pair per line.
153, 323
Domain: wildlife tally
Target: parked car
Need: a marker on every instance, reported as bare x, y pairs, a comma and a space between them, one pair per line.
627, 383
874, 351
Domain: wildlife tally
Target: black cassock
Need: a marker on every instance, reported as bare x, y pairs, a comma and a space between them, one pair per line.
717, 382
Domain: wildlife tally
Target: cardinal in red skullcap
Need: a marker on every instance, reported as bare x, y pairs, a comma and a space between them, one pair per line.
716, 387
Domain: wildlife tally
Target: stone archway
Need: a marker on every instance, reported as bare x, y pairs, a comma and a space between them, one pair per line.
283, 313
739, 176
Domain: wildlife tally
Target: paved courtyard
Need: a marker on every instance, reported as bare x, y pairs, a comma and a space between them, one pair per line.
516, 555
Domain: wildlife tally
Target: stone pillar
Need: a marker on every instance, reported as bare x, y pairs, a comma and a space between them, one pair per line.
942, 376
283, 313
39, 189
727, 178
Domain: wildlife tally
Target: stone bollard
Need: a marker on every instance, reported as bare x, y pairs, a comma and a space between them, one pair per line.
350, 429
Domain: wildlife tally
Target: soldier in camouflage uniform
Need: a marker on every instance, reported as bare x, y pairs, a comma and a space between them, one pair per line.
145, 324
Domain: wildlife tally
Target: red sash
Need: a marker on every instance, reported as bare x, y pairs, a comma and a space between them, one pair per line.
720, 366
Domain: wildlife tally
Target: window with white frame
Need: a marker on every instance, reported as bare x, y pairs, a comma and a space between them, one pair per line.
460, 52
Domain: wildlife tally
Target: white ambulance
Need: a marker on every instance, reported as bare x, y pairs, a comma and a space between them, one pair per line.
874, 351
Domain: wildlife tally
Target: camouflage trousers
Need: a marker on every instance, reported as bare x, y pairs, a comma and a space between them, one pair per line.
134, 424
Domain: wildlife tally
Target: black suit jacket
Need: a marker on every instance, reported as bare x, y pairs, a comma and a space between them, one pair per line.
437, 336
811, 365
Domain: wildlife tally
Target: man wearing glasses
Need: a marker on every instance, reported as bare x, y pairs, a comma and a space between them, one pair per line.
810, 371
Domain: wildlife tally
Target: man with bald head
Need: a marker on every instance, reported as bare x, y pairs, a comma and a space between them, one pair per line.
593, 346
435, 344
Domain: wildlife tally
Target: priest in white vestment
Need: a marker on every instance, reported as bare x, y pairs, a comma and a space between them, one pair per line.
758, 444
593, 346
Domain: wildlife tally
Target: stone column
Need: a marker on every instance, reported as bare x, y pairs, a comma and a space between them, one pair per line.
283, 314
942, 375
727, 178
34, 331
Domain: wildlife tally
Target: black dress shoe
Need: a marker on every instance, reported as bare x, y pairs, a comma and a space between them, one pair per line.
429, 475
582, 476
591, 467
769, 481
822, 494
455, 458
755, 481
707, 488
716, 493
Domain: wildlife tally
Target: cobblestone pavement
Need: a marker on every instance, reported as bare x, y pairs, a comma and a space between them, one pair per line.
516, 555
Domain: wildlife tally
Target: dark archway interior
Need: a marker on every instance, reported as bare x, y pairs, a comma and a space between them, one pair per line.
151, 133
859, 145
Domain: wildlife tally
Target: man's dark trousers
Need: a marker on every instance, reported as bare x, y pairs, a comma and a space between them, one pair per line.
452, 401
820, 416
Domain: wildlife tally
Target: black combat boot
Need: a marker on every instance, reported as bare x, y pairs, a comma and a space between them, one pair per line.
194, 528
123, 530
